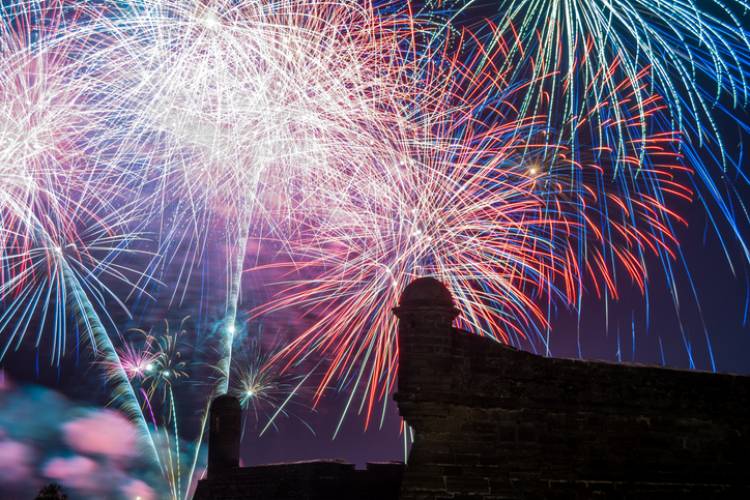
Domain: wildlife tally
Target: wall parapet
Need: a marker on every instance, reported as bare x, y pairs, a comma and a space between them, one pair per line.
494, 422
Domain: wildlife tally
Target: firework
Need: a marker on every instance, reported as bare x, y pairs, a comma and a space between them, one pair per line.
158, 361
479, 198
227, 118
682, 46
263, 388
63, 221
137, 361
586, 57
161, 364
241, 112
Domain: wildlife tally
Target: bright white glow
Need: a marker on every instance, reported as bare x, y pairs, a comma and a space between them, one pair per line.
211, 21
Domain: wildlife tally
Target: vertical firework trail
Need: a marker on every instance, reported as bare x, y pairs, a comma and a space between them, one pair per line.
124, 393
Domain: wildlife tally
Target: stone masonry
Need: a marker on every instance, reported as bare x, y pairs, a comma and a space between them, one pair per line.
493, 422
315, 480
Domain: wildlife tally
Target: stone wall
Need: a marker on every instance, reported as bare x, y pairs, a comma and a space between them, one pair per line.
493, 422
317, 480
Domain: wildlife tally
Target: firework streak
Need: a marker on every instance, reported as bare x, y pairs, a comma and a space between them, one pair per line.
584, 55
472, 193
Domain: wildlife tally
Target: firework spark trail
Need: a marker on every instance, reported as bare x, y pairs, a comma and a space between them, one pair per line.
480, 199
123, 389
245, 108
696, 55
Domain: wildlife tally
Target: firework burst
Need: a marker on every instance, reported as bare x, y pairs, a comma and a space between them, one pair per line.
241, 112
264, 388
474, 194
590, 62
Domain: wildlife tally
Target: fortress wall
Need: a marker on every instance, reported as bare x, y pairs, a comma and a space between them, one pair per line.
493, 422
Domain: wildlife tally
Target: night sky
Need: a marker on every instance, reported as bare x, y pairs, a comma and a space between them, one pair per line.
640, 330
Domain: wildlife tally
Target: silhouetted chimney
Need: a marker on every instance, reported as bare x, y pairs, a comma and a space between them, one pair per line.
425, 335
225, 425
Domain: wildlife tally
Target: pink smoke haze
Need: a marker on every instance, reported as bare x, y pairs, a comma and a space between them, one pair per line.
102, 433
137, 489
75, 472
5, 383
15, 462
